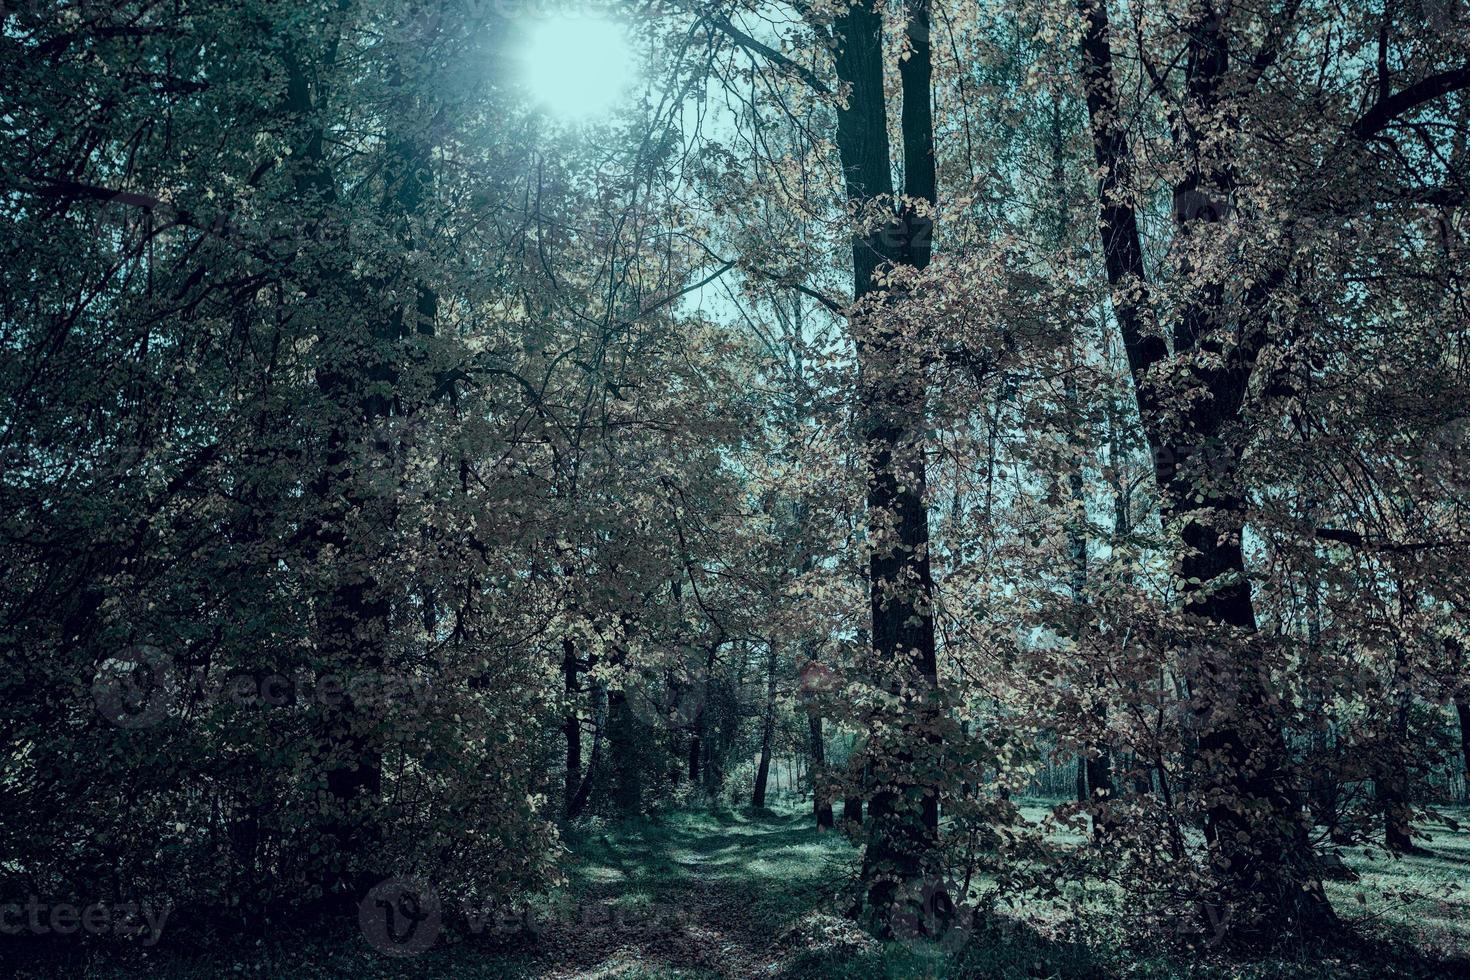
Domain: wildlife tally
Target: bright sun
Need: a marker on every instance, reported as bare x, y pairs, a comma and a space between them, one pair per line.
578, 67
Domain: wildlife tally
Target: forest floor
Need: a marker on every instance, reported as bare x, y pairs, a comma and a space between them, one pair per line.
728, 894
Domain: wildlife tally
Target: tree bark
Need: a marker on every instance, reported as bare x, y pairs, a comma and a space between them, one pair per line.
1094, 775
572, 723
577, 802
1391, 789
768, 732
626, 758
1462, 709
696, 748
353, 609
1260, 856
821, 802
704, 753
903, 813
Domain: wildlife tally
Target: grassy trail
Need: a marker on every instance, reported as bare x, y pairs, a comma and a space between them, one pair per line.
692, 895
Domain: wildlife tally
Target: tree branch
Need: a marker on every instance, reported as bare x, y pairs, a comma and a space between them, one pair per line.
724, 26
1386, 110
1357, 540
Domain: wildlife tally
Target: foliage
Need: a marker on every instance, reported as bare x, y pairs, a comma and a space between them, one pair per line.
923, 402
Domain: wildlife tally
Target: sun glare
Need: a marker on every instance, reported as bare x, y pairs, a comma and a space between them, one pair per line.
579, 67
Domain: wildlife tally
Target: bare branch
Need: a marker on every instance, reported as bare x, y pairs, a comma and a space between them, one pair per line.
724, 26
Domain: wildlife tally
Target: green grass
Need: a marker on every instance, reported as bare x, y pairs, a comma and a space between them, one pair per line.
698, 894
1419, 900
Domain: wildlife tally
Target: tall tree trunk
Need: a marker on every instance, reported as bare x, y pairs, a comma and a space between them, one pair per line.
703, 753
352, 609
1390, 792
1262, 863
359, 377
1322, 782
1095, 776
904, 813
625, 755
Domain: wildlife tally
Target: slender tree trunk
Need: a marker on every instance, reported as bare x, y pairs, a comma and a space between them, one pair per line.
714, 764
1391, 789
1141, 782
768, 732
1095, 777
1322, 783
627, 769
1391, 794
359, 376
703, 753
572, 723
852, 811
821, 800
577, 802
353, 609
1462, 710
1462, 713
696, 748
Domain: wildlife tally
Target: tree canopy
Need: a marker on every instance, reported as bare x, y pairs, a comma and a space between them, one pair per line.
949, 405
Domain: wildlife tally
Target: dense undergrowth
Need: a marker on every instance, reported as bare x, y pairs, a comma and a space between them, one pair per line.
741, 893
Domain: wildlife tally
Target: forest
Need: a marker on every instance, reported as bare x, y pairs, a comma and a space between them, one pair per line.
735, 488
